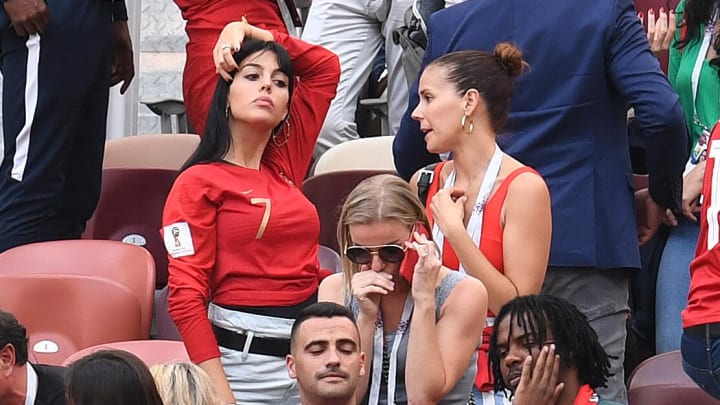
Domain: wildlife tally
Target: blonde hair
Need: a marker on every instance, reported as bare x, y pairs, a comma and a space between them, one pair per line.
184, 383
379, 198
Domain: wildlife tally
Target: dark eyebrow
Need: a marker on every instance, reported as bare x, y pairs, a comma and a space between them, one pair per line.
528, 336
350, 342
259, 66
323, 343
423, 91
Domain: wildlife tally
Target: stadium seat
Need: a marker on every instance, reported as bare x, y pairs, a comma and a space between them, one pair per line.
329, 259
166, 328
125, 264
152, 151
130, 210
359, 154
149, 351
660, 380
64, 313
328, 191
138, 172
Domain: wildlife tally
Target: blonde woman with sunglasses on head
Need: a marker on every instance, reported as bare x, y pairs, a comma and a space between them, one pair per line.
420, 323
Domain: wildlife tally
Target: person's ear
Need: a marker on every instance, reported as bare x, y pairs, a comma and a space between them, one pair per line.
290, 362
362, 364
473, 101
7, 359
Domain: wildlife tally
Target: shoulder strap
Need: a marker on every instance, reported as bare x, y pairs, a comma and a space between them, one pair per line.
505, 185
425, 179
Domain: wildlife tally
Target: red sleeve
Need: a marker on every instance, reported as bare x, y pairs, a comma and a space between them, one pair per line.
317, 73
190, 238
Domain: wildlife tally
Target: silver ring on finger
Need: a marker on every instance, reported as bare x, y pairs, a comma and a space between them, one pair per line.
225, 46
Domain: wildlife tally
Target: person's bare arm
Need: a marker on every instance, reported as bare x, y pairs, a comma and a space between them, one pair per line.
217, 375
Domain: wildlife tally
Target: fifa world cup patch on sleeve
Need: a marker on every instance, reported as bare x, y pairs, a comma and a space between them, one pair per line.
178, 240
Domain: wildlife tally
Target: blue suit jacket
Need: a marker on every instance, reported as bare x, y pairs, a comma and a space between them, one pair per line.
589, 61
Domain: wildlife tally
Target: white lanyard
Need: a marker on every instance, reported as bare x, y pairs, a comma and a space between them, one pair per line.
702, 55
474, 226
378, 351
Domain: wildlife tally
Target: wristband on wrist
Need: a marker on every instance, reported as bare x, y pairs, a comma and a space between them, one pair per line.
119, 10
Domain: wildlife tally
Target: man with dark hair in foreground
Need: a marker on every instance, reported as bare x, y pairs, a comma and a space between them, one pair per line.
325, 355
545, 352
20, 382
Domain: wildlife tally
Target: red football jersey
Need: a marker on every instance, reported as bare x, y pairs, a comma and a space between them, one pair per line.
704, 295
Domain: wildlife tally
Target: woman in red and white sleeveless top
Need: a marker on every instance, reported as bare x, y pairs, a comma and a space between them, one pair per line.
490, 213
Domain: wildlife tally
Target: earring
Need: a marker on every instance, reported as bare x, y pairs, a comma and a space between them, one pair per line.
464, 124
276, 138
227, 112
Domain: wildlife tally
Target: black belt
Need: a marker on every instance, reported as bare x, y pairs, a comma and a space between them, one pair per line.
258, 345
699, 331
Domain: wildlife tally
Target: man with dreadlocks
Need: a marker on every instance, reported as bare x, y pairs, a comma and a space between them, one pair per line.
545, 352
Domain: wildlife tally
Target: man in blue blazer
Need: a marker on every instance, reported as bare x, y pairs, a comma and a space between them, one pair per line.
589, 62
22, 383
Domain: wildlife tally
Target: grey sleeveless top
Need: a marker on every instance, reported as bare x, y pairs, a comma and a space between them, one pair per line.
461, 392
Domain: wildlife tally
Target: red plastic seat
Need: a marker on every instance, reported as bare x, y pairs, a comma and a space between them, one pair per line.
149, 351
138, 172
166, 328
125, 264
660, 380
150, 151
65, 313
328, 191
130, 210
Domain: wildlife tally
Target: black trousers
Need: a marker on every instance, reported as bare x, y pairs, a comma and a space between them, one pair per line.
54, 109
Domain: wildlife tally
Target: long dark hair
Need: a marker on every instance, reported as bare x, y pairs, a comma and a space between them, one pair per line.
111, 377
575, 340
216, 139
699, 12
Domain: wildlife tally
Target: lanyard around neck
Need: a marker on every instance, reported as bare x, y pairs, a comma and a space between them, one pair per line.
702, 55
379, 349
474, 226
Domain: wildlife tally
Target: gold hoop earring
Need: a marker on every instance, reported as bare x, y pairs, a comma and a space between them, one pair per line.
464, 124
278, 138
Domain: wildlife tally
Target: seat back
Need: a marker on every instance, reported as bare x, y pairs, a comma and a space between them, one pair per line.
660, 380
166, 328
151, 352
329, 259
65, 313
130, 210
328, 191
122, 263
359, 154
158, 151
